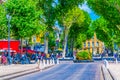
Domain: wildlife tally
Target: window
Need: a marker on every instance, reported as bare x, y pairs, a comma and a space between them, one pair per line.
84, 44
88, 44
92, 44
97, 44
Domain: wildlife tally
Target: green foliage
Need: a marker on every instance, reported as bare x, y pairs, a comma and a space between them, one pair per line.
25, 17
105, 31
64, 6
83, 55
106, 8
79, 40
110, 11
74, 15
51, 40
48, 17
100, 26
3, 23
79, 32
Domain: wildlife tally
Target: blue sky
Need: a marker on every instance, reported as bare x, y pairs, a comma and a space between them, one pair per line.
91, 12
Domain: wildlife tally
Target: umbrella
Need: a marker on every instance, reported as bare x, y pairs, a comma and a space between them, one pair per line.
30, 51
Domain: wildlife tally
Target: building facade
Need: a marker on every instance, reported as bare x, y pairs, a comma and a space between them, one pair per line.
93, 45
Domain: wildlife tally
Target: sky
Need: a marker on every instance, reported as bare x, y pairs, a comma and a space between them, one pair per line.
91, 12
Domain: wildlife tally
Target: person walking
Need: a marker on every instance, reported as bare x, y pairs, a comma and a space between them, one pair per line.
3, 59
115, 57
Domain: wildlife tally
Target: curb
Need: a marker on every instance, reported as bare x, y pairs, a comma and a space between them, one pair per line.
21, 73
17, 74
106, 74
112, 75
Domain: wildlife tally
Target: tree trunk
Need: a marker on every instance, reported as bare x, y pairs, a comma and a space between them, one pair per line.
65, 43
72, 46
46, 45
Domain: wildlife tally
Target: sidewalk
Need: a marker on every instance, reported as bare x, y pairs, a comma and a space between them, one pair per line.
8, 72
16, 68
114, 70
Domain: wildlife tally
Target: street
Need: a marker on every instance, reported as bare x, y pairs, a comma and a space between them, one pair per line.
68, 71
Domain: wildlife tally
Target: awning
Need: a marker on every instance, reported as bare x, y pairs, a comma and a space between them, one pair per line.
6, 49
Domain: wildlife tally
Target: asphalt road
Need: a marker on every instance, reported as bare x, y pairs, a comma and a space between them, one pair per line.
68, 71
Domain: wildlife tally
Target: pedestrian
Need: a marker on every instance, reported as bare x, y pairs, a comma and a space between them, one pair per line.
3, 59
52, 56
115, 57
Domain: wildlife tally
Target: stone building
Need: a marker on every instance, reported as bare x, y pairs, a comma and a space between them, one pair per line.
93, 45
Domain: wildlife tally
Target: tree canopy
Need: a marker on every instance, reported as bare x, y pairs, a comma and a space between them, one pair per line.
79, 32
3, 23
110, 10
110, 25
25, 17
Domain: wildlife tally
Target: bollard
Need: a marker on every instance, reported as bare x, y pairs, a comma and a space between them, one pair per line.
47, 63
57, 61
44, 64
50, 62
40, 65
53, 61
106, 63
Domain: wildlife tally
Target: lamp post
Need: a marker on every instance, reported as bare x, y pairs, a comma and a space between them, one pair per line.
26, 45
9, 18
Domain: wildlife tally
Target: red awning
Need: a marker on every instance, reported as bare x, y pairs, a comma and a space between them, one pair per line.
6, 49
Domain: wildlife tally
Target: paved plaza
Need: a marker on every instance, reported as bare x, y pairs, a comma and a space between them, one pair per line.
15, 68
115, 70
68, 71
63, 71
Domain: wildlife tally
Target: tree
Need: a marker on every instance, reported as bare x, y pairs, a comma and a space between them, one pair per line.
111, 13
25, 18
52, 41
79, 32
75, 15
3, 23
104, 32
107, 9
48, 18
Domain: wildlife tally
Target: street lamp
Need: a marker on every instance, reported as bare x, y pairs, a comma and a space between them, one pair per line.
9, 18
26, 45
